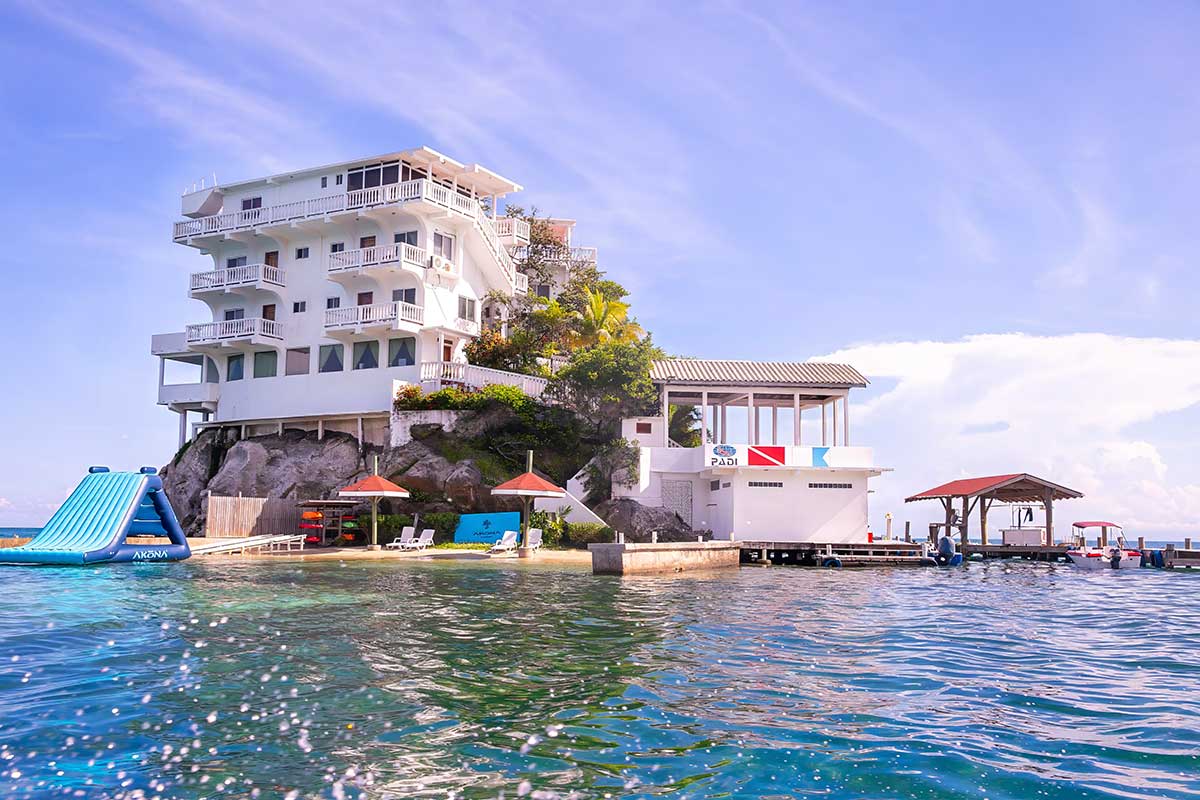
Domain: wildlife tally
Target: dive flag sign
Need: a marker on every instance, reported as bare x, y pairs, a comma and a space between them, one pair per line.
766, 456
740, 455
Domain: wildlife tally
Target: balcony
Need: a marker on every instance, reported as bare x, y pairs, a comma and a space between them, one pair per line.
436, 374
514, 231
565, 254
374, 317
234, 333
388, 257
422, 191
248, 276
468, 326
190, 396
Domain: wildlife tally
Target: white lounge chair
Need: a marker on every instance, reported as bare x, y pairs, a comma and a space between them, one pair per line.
425, 539
505, 543
406, 536
533, 539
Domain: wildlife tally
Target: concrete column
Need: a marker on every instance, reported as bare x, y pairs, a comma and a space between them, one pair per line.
162, 370
750, 421
774, 424
182, 427
824, 426
835, 425
724, 423
666, 406
796, 420
846, 420
703, 417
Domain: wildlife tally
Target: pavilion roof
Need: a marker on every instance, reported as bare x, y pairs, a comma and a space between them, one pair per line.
1018, 487
791, 374
529, 485
373, 486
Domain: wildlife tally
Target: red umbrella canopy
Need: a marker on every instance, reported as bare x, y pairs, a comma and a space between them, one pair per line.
373, 486
529, 485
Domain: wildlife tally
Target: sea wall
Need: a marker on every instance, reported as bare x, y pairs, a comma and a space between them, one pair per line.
635, 559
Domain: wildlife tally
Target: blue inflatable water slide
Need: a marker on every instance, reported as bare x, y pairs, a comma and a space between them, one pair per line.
92, 526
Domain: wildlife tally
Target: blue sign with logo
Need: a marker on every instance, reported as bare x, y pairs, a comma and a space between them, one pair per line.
486, 528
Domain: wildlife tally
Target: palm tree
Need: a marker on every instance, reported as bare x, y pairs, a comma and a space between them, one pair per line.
603, 320
683, 426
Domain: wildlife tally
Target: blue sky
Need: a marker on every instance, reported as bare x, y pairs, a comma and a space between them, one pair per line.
948, 196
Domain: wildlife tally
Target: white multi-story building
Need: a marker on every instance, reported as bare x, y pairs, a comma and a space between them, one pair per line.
327, 285
561, 260
756, 478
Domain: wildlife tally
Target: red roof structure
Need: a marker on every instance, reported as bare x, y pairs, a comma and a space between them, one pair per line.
529, 485
373, 486
1094, 524
1020, 487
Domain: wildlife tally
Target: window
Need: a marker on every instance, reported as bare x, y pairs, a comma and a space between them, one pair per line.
365, 298
714, 486
391, 173
405, 296
372, 175
240, 261
366, 355
333, 302
402, 352
643, 427
466, 308
251, 203
235, 367
408, 237
543, 290
266, 364
210, 371
299, 307
268, 311
338, 180
295, 361
337, 247
831, 486
767, 484
330, 358
366, 241
301, 252
443, 245
271, 259
324, 181
232, 314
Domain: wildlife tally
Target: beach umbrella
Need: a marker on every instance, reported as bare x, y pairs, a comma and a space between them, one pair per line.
528, 486
374, 488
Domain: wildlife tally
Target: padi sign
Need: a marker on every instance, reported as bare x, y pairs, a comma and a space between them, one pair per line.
723, 455
742, 455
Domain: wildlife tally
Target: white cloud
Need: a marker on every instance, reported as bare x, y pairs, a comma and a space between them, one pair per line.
5, 504
1063, 407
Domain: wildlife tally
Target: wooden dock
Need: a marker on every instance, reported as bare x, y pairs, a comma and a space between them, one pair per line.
818, 554
1057, 552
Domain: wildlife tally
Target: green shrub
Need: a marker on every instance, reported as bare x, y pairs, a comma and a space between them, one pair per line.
443, 523
553, 528
581, 534
391, 525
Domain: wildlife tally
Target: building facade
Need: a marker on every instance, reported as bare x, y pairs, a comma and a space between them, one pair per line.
754, 477
325, 286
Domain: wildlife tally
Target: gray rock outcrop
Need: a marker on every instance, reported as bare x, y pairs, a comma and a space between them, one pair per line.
637, 521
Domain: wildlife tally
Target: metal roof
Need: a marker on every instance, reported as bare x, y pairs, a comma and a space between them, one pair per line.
710, 372
1020, 487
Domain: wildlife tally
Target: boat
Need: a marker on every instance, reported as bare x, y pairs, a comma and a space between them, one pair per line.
1106, 556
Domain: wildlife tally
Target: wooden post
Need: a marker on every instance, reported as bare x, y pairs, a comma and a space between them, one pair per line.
984, 506
966, 516
1141, 543
949, 504
1187, 544
1104, 536
908, 530
1048, 504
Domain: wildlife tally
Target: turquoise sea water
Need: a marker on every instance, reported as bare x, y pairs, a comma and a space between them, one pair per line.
209, 679
18, 532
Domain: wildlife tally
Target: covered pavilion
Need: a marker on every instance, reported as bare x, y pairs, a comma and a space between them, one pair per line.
1018, 488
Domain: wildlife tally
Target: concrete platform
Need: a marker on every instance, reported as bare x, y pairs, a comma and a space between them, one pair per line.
661, 557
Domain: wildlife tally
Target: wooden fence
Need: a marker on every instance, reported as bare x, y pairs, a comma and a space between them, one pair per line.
250, 516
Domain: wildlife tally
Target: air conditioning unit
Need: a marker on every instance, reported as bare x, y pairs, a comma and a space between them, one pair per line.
442, 265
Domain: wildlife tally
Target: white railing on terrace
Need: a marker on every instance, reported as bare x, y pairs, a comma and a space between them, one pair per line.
560, 254
478, 377
349, 260
237, 276
392, 194
511, 226
467, 326
374, 314
233, 329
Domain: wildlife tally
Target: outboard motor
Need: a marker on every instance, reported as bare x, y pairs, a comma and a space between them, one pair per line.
1115, 559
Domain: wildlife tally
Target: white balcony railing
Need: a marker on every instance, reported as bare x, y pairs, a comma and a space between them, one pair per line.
583, 254
351, 260
467, 326
421, 189
511, 226
233, 329
188, 393
375, 314
244, 275
457, 372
